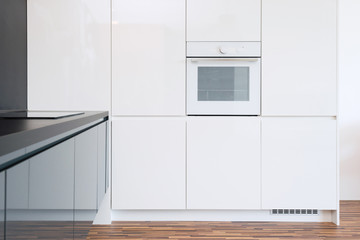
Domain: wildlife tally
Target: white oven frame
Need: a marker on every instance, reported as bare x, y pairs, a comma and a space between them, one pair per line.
236, 108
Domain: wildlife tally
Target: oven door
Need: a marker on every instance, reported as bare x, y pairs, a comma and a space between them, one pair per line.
223, 86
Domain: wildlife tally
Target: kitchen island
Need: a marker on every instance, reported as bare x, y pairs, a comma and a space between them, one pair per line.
53, 175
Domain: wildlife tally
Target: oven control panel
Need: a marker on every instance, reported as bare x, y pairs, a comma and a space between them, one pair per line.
222, 49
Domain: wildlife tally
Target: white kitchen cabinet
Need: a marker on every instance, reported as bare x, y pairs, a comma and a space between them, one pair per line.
223, 163
223, 20
148, 53
148, 163
299, 163
86, 166
51, 179
299, 58
69, 54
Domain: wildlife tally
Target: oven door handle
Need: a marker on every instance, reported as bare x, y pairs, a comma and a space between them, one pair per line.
224, 59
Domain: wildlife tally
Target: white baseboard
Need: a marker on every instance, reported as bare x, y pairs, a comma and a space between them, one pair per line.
216, 215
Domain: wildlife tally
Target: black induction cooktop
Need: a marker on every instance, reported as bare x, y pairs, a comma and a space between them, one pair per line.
38, 114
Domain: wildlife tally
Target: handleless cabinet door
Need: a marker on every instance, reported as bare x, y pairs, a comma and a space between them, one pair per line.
223, 163
223, 20
148, 163
18, 186
299, 57
299, 163
69, 54
148, 57
17, 199
51, 178
86, 150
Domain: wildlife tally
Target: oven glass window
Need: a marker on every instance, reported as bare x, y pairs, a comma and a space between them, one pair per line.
223, 84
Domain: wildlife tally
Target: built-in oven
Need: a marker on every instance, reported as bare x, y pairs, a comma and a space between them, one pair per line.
223, 78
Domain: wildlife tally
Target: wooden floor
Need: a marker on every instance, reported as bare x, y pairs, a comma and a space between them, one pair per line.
349, 229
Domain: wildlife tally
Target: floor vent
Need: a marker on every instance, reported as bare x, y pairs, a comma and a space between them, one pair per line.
294, 211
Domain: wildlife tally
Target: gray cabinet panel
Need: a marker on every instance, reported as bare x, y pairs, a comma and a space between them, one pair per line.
86, 170
51, 183
18, 186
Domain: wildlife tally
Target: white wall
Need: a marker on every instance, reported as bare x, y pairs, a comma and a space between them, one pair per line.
349, 98
69, 54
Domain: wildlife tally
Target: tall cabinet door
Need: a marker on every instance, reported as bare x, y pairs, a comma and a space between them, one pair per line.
148, 163
299, 163
299, 57
148, 57
223, 163
71, 40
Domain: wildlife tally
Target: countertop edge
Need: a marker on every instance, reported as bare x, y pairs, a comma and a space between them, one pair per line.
13, 142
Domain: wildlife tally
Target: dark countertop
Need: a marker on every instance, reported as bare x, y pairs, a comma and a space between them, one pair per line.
16, 134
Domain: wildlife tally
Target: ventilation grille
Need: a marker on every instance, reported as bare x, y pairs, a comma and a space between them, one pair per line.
294, 211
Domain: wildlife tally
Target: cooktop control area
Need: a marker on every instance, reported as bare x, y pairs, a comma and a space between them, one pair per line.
38, 114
